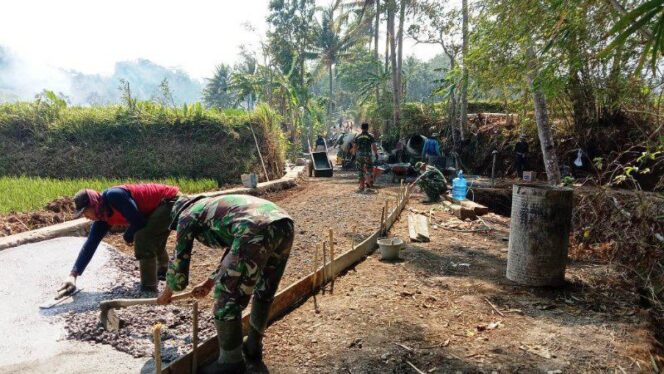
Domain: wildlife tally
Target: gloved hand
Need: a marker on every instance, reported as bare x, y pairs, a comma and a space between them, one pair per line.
67, 287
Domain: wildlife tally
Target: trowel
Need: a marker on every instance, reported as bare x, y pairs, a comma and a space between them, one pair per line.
110, 321
60, 298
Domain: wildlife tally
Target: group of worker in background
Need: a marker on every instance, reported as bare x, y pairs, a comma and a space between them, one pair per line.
431, 179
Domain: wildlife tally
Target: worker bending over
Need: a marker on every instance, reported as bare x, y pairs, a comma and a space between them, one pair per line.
146, 209
258, 236
431, 181
364, 146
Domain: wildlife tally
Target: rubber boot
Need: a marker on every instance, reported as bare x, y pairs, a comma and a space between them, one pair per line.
162, 264
253, 344
148, 270
230, 361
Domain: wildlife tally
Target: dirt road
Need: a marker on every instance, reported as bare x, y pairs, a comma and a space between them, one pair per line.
447, 307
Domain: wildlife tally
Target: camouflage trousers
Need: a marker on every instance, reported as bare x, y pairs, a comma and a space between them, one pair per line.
432, 187
254, 264
364, 168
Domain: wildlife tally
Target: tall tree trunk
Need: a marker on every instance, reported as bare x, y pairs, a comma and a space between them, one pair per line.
329, 102
451, 117
400, 91
391, 9
387, 40
464, 78
542, 119
376, 34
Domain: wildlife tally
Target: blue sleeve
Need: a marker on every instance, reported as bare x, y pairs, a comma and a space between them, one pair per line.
121, 200
97, 233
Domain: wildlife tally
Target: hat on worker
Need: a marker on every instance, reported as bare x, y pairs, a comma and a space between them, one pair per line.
419, 165
81, 202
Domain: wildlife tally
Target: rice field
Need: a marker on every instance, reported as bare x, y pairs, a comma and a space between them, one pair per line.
24, 194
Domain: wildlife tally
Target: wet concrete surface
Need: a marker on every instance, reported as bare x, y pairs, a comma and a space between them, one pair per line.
34, 340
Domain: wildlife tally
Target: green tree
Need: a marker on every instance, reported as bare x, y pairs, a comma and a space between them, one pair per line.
216, 93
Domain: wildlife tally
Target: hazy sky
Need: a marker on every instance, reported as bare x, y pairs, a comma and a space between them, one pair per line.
91, 35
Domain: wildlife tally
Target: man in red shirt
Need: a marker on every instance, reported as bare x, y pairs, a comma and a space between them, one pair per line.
146, 209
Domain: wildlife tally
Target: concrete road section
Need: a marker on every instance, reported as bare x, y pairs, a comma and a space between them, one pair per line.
33, 340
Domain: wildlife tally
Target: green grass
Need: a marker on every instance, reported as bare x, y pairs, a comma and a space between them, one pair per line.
24, 194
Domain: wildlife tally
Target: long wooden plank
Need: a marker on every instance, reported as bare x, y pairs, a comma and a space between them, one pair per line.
293, 295
422, 226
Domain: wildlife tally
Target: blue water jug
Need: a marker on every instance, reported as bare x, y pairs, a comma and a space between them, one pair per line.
459, 187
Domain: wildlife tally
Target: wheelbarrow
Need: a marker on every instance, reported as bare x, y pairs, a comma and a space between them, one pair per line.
399, 171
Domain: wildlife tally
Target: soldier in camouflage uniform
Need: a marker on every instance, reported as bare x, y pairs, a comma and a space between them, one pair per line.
431, 181
258, 236
364, 145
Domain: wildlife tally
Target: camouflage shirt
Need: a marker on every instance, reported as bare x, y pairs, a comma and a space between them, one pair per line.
216, 222
364, 141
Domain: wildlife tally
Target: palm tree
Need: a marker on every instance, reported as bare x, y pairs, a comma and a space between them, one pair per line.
334, 41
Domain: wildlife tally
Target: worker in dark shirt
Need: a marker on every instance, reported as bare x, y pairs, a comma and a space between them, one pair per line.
364, 145
520, 154
146, 209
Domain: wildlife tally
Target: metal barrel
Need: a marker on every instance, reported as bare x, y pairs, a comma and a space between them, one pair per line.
539, 234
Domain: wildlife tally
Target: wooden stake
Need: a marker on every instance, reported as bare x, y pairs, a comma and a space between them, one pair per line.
387, 213
332, 261
324, 267
156, 332
194, 338
315, 280
382, 223
352, 238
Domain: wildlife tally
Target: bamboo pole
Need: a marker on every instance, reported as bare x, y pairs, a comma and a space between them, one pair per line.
332, 261
156, 332
259, 152
194, 338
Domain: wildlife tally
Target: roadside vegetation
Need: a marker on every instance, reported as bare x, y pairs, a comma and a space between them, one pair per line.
23, 194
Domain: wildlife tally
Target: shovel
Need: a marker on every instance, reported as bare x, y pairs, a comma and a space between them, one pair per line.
110, 321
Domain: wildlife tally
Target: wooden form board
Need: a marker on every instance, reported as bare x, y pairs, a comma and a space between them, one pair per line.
470, 205
295, 294
418, 228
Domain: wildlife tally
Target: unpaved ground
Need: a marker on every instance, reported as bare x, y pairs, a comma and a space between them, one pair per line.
432, 310
316, 205
57, 211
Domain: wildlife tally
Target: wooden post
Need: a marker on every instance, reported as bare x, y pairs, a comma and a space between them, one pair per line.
352, 238
387, 212
332, 261
382, 223
156, 332
324, 267
194, 338
315, 280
